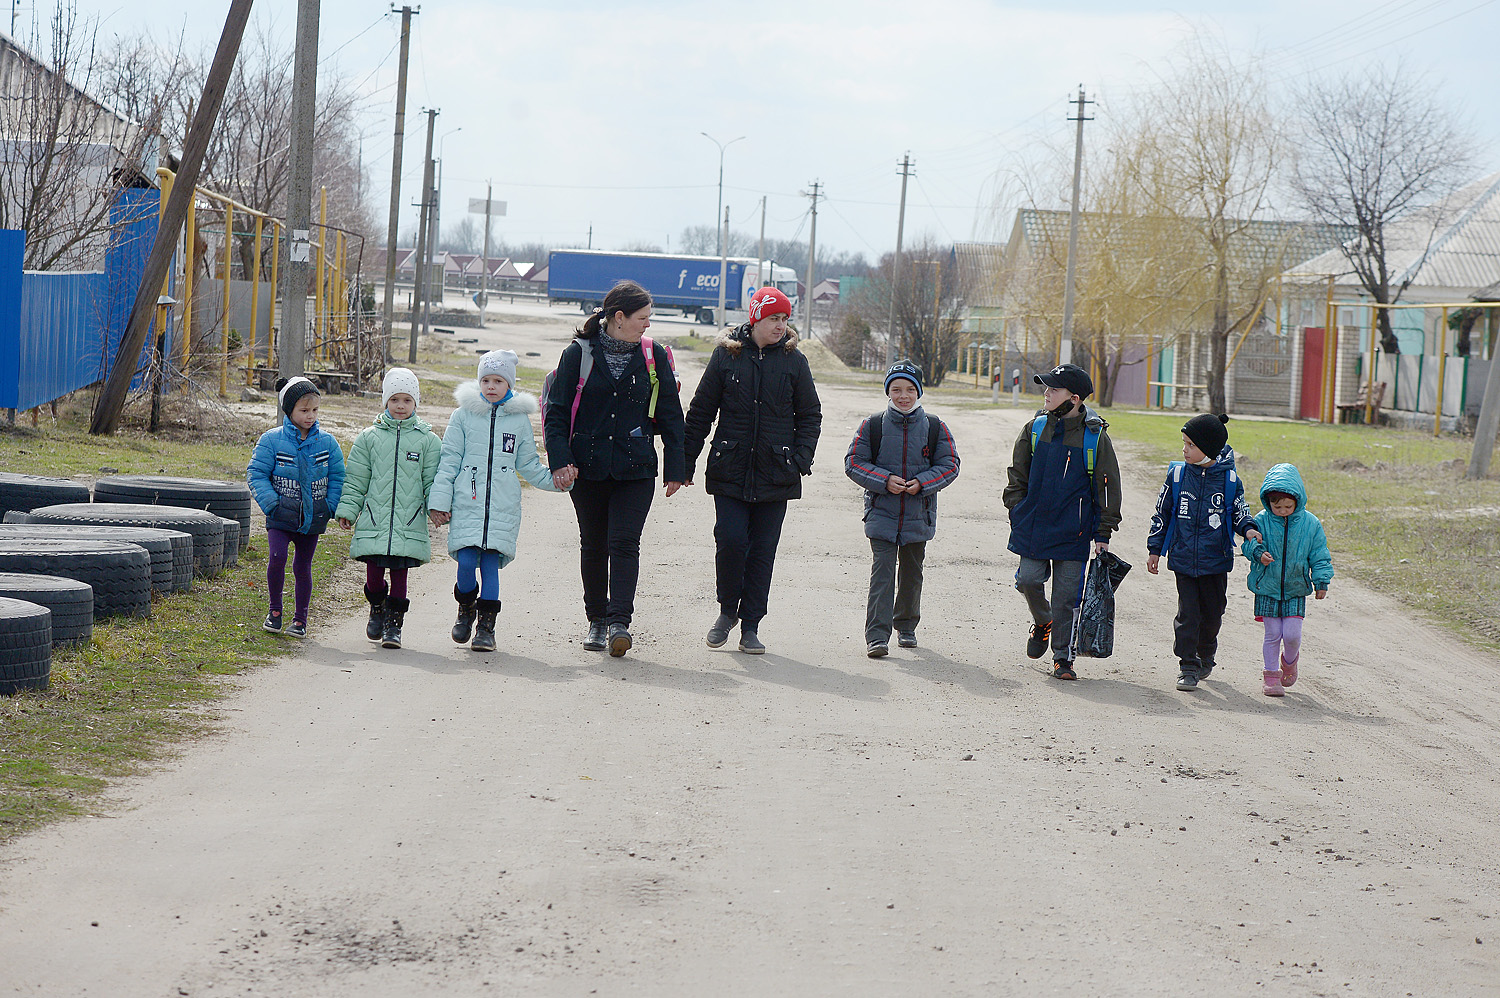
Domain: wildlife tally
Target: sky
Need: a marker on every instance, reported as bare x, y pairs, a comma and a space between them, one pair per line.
590, 114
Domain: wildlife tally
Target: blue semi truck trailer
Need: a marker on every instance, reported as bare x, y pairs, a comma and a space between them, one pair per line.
689, 283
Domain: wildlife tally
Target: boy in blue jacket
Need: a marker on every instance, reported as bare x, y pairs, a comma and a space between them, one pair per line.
297, 476
1199, 510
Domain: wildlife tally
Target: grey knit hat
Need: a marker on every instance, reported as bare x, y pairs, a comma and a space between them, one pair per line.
501, 362
399, 380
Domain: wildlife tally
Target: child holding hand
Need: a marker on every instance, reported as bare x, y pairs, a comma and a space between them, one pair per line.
1288, 562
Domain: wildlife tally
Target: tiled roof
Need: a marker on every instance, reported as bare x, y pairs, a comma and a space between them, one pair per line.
981, 266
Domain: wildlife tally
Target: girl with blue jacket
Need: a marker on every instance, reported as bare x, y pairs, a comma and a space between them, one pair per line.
1288, 562
296, 474
488, 443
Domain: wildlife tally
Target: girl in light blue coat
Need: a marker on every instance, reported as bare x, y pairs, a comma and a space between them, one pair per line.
488, 443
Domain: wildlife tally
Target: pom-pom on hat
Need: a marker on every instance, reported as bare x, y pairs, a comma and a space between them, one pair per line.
501, 362
767, 302
1070, 378
398, 381
1207, 433
904, 369
289, 390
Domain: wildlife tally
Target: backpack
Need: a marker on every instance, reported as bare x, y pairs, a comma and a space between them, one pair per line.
876, 424
1174, 470
586, 367
1090, 442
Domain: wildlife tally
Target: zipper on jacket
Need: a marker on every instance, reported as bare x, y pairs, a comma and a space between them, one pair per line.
1286, 542
489, 479
901, 516
390, 536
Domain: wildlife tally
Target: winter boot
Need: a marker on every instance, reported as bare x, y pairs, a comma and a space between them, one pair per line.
395, 614
1288, 673
376, 626
1273, 684
463, 628
484, 630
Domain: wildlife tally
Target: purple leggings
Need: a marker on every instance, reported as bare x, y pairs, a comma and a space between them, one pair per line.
1283, 641
375, 581
306, 544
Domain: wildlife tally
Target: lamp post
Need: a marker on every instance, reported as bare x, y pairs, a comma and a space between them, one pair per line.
719, 211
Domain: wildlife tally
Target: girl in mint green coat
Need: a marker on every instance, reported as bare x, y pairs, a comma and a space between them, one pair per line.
389, 475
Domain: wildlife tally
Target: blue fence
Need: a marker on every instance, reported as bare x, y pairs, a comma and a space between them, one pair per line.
59, 332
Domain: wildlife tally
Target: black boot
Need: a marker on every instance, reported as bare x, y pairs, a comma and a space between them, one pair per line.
597, 637
484, 632
463, 628
376, 627
395, 614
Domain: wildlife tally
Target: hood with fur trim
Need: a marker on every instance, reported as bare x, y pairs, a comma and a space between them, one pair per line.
733, 339
468, 397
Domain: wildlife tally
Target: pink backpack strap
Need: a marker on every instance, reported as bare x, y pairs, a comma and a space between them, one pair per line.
585, 368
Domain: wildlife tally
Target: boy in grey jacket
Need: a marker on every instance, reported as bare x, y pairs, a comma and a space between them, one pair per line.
901, 458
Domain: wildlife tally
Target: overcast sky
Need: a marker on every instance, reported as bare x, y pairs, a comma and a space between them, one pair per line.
590, 113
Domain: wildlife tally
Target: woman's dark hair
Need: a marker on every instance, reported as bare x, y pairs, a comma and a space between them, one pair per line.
627, 296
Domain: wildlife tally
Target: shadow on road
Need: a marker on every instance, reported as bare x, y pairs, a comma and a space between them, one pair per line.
973, 679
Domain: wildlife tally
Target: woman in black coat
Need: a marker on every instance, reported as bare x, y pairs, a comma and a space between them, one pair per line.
759, 386
608, 452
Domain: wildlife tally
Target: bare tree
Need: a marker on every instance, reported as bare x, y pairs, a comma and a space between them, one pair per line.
1377, 146
463, 237
929, 302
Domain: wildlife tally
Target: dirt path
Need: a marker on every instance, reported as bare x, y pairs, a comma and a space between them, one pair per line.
546, 821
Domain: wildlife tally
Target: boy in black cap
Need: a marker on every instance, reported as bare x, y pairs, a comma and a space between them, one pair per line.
1064, 492
1199, 510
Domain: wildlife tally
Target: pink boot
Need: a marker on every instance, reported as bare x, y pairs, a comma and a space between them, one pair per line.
1288, 673
1273, 684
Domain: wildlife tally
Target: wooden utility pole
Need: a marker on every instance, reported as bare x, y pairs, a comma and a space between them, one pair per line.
392, 235
1065, 348
117, 385
422, 272
890, 323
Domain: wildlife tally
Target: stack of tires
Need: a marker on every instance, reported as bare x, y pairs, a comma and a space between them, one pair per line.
25, 646
119, 573
22, 493
207, 529
227, 499
71, 603
171, 551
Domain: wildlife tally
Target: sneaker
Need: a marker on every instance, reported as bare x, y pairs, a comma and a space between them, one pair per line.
619, 640
1036, 644
1204, 669
719, 633
1273, 684
296, 629
1288, 673
1063, 670
877, 649
273, 622
750, 642
906, 639
1187, 681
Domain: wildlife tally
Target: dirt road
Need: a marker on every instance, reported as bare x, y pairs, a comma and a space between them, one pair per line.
947, 821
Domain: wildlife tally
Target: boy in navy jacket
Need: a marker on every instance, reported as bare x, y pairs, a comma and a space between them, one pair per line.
1199, 510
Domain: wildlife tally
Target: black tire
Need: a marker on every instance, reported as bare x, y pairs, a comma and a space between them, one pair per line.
231, 499
232, 531
26, 492
120, 573
158, 543
25, 646
71, 603
206, 529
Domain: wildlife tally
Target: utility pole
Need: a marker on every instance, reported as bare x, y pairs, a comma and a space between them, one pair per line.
291, 346
484, 258
1065, 348
723, 265
812, 253
423, 269
392, 235
117, 385
890, 324
760, 254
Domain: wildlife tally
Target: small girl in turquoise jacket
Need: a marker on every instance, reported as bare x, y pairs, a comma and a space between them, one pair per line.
1289, 561
488, 443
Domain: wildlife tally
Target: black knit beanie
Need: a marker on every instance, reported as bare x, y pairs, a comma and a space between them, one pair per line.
1207, 433
289, 390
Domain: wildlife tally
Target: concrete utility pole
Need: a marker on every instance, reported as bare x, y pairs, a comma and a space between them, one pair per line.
117, 385
760, 254
1489, 422
723, 266
484, 259
1065, 349
812, 254
291, 346
890, 324
423, 269
392, 235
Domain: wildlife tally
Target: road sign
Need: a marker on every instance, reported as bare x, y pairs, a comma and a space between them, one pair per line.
476, 207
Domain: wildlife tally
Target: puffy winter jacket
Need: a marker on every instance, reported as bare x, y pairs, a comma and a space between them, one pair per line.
1198, 511
296, 481
390, 469
1055, 510
484, 448
903, 519
769, 419
614, 437
1297, 542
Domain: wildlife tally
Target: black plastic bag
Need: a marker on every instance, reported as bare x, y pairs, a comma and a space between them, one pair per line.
1094, 635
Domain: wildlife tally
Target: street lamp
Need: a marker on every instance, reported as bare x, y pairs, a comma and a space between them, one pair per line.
719, 212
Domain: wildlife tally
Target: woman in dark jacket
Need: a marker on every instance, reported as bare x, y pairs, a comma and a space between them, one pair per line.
607, 452
759, 385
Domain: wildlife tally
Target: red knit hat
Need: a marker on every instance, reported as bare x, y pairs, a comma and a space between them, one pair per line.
767, 302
